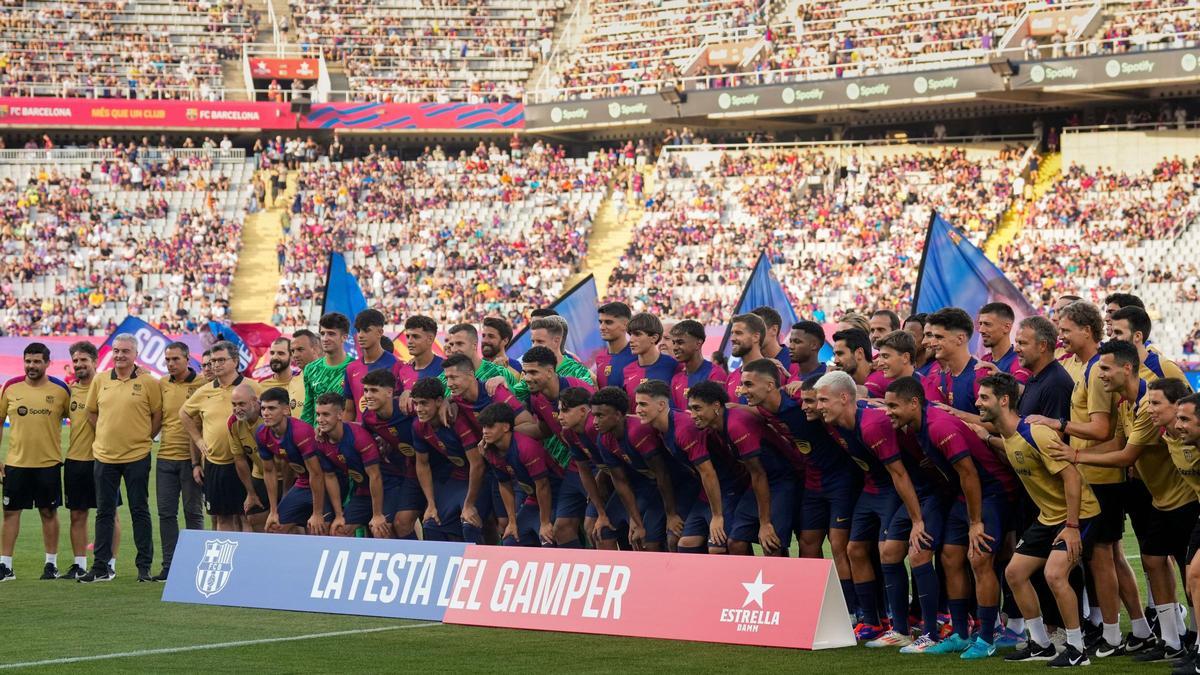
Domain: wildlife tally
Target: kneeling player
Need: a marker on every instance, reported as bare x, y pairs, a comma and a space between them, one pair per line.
513, 456
1060, 537
288, 440
350, 459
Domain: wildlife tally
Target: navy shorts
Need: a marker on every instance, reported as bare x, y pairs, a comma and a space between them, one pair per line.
572, 498
996, 509
450, 495
700, 516
529, 521
687, 495
828, 509
358, 511
934, 509
411, 497
783, 507
649, 503
873, 513
296, 507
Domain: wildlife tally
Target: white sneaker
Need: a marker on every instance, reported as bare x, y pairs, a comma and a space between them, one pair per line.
890, 639
919, 645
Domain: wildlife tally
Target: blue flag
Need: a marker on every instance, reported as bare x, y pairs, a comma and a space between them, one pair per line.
578, 306
245, 354
954, 273
343, 295
762, 289
152, 347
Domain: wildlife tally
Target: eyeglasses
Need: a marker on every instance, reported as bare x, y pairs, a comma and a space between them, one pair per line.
216, 361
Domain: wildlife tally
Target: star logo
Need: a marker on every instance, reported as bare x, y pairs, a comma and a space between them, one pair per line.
755, 590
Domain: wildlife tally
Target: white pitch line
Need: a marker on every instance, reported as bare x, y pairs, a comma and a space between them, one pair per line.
218, 645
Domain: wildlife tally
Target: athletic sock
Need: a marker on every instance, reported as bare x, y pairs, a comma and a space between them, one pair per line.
1075, 638
1112, 633
81, 561
987, 623
112, 563
866, 592
850, 596
6, 560
52, 558
960, 619
928, 593
1168, 625
1016, 624
1095, 616
1140, 628
1037, 631
895, 580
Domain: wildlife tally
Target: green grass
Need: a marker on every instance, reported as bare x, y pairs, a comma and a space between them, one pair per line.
59, 619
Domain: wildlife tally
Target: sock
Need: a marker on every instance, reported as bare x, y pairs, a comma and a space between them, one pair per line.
52, 558
1168, 618
850, 596
960, 619
1037, 631
574, 543
81, 560
866, 600
1140, 628
112, 562
1150, 595
1016, 625
1112, 633
1095, 617
678, 549
1186, 620
987, 623
927, 590
895, 580
6, 560
1075, 638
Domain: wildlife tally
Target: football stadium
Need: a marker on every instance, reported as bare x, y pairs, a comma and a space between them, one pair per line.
596, 335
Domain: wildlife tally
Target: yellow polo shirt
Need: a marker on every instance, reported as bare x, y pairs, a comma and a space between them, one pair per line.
82, 433
1186, 458
211, 406
123, 410
1089, 397
174, 442
243, 442
1168, 490
1039, 471
295, 390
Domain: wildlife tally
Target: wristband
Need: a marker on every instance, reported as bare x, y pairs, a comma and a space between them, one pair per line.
1073, 526
1062, 425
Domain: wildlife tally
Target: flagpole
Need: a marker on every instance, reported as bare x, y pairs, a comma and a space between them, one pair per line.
556, 303
745, 290
924, 254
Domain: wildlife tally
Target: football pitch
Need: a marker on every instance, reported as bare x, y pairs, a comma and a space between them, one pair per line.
53, 626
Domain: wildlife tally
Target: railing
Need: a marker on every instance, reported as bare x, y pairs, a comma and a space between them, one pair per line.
1137, 126
852, 144
20, 156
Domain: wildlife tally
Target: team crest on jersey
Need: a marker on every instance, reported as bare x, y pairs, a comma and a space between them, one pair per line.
74, 406
1019, 456
49, 399
215, 567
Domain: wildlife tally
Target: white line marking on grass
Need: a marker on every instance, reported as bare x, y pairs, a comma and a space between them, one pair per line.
218, 645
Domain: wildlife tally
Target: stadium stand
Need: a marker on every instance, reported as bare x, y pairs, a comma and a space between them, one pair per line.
844, 225
411, 51
420, 232
89, 236
143, 49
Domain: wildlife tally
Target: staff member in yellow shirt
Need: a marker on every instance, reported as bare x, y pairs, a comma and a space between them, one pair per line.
125, 407
242, 424
1061, 535
1174, 507
79, 475
1184, 451
173, 469
35, 406
205, 416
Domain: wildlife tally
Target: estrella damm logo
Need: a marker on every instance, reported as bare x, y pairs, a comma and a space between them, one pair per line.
406, 449
455, 460
298, 469
861, 464
355, 476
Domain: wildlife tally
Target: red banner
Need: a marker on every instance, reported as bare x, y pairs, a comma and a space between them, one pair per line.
291, 69
771, 602
134, 114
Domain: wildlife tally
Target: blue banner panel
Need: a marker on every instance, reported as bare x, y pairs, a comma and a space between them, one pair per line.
391, 578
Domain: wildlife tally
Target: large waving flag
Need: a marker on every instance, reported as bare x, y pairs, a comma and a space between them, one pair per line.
343, 295
954, 273
152, 347
252, 340
578, 306
762, 289
245, 355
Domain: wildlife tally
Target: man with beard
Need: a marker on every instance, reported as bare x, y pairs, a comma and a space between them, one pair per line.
995, 334
494, 338
279, 356
771, 348
747, 332
852, 355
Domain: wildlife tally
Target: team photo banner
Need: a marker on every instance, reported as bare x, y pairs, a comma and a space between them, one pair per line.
775, 602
